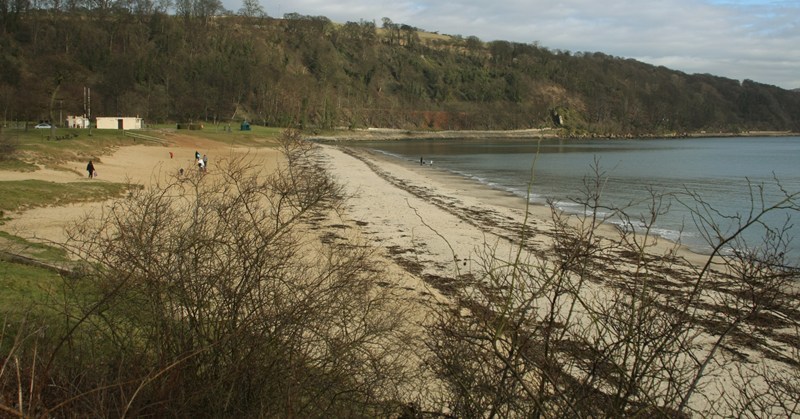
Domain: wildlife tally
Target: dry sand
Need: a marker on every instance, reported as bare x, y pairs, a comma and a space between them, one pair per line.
422, 216
138, 164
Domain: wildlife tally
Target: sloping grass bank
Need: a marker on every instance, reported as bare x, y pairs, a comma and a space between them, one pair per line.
25, 194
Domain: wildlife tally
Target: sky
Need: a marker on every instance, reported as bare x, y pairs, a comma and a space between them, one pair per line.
738, 39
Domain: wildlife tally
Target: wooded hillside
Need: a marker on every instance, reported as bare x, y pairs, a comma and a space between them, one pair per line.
308, 72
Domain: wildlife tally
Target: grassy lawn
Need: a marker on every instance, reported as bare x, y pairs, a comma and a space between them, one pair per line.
17, 165
38, 251
26, 290
23, 194
26, 287
257, 136
36, 147
35, 302
20, 283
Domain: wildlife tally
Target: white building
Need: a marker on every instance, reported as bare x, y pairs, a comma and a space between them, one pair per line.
77, 122
119, 122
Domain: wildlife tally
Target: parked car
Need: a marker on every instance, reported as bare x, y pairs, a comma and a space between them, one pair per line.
43, 126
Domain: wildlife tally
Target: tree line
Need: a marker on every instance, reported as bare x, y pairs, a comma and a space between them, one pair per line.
201, 63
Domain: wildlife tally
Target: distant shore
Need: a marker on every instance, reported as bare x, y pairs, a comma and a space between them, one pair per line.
380, 134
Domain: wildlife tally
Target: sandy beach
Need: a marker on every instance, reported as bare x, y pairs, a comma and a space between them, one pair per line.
441, 229
136, 164
440, 220
426, 219
432, 231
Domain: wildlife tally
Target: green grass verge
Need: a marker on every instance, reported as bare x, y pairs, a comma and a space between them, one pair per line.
38, 251
66, 137
26, 290
16, 165
73, 145
25, 194
257, 136
82, 144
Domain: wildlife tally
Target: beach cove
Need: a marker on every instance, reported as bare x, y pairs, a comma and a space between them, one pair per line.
424, 209
484, 273
725, 173
443, 229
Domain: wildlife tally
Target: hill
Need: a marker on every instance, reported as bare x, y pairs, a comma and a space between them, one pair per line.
309, 72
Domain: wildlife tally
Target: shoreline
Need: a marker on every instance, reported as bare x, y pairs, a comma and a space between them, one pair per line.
429, 198
508, 208
433, 232
669, 228
394, 134
449, 234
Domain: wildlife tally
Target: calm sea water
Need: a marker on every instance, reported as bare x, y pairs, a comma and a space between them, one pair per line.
721, 171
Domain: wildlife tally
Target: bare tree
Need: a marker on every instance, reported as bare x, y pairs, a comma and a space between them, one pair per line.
252, 8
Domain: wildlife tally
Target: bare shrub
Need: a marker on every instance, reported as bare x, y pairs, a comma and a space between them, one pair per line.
762, 391
602, 326
200, 297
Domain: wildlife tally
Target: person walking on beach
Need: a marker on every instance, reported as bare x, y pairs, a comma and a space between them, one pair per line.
421, 161
205, 163
200, 164
90, 169
196, 155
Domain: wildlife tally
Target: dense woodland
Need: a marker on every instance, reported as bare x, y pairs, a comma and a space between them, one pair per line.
201, 63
